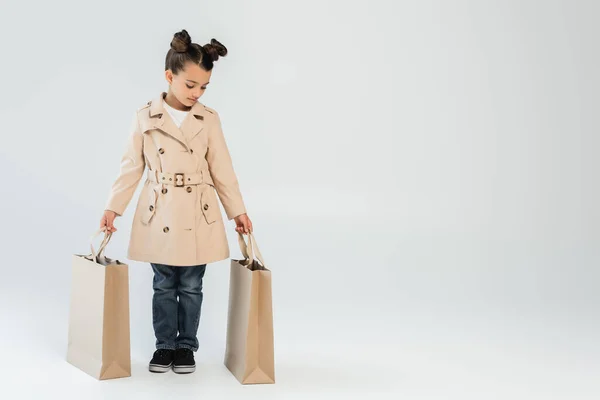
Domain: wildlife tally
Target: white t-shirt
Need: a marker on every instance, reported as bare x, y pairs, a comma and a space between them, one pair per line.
176, 115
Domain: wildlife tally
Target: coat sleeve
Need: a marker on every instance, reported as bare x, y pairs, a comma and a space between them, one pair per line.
131, 170
221, 170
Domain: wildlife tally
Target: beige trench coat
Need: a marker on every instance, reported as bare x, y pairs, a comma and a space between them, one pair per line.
177, 220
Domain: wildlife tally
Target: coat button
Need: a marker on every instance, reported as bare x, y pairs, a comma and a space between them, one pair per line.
166, 229
206, 206
161, 150
189, 189
164, 190
151, 208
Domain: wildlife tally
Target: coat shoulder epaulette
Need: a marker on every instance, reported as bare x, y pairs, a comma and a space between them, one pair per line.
210, 110
145, 105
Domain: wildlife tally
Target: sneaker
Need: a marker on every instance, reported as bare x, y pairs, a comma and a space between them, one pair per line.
162, 360
184, 361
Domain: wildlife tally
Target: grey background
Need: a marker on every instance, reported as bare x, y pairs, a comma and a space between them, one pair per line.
421, 175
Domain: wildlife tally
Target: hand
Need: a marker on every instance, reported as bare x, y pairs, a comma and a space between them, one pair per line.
243, 224
106, 223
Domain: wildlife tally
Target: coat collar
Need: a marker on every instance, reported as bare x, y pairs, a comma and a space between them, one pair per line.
190, 127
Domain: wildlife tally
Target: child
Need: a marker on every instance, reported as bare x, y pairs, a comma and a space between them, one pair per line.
177, 225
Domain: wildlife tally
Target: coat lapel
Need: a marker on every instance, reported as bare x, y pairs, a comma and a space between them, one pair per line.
161, 121
194, 122
190, 127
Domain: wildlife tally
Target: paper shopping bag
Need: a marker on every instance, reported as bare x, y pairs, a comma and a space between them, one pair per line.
98, 342
249, 353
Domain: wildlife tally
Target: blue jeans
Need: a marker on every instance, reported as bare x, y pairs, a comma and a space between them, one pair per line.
169, 314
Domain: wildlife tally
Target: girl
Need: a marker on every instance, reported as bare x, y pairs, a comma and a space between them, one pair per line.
177, 225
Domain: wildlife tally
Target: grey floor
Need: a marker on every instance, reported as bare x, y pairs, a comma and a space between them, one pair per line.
358, 311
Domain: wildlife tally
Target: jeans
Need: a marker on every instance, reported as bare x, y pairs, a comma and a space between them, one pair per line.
170, 314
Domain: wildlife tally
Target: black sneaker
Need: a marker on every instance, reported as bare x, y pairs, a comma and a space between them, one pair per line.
162, 360
184, 361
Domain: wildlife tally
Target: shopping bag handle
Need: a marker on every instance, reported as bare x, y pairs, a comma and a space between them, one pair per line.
105, 240
248, 250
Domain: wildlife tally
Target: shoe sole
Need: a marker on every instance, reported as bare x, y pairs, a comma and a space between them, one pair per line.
185, 369
159, 368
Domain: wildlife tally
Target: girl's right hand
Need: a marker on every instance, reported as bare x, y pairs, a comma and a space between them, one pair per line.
106, 223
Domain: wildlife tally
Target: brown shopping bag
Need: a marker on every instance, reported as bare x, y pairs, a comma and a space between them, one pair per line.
249, 353
99, 314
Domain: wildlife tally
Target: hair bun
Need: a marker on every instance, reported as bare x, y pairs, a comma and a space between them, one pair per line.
215, 49
181, 41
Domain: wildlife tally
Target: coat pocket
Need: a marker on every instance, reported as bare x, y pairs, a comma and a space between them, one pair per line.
150, 210
209, 206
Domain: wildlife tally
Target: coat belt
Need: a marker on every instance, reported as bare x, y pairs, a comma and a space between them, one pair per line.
180, 179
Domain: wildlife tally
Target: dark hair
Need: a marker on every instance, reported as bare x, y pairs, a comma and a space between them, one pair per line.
183, 50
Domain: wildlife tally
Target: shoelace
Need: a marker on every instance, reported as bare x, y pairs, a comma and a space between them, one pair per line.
163, 352
183, 351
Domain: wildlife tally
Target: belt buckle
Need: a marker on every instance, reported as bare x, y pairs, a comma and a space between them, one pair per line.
182, 180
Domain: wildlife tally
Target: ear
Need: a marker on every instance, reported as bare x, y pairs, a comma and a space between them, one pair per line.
169, 76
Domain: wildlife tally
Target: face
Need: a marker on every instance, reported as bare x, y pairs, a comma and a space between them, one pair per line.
189, 84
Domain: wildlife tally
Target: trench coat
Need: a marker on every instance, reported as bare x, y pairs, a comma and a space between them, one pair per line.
177, 220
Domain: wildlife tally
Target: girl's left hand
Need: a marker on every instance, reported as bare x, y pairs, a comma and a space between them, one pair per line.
243, 224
